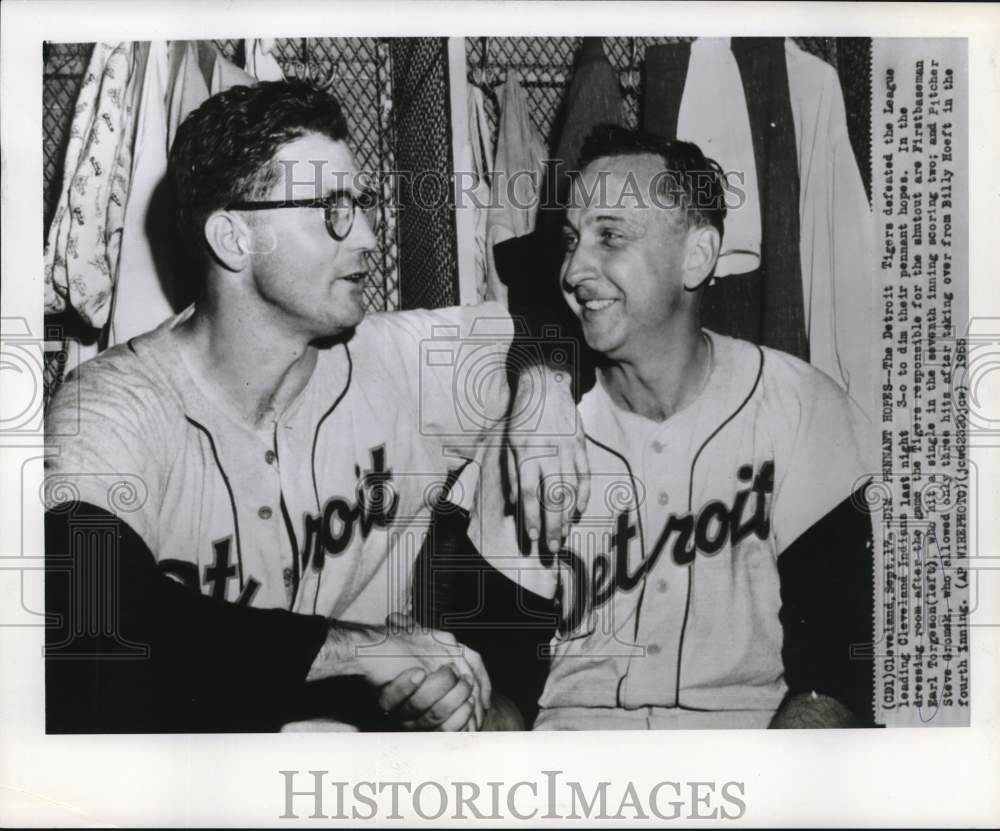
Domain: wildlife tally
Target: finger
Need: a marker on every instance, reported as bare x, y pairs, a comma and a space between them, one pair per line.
461, 719
471, 666
530, 498
473, 677
582, 464
400, 688
442, 709
481, 675
554, 511
434, 687
512, 475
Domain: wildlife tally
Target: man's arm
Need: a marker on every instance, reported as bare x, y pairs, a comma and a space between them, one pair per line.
828, 617
161, 658
459, 591
129, 649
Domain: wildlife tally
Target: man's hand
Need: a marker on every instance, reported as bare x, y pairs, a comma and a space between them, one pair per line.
444, 700
425, 679
547, 461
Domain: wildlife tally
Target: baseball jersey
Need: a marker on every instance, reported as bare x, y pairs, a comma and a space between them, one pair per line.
321, 511
669, 581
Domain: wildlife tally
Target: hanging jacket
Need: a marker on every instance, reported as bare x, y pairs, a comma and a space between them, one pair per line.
593, 97
529, 265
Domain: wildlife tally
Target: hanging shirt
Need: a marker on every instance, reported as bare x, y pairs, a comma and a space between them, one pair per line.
480, 167
837, 244
176, 78
713, 115
82, 247
833, 227
517, 178
260, 61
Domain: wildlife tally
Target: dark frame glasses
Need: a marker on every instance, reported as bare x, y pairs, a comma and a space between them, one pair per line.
338, 209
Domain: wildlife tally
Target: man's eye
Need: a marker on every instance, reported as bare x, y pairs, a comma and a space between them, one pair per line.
570, 241
611, 238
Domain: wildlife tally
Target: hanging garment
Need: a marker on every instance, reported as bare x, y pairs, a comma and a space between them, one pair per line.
713, 115
83, 242
763, 305
593, 97
529, 265
260, 61
837, 243
154, 279
832, 232
481, 168
517, 177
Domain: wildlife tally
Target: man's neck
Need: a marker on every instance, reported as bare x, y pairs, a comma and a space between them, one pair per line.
257, 366
662, 379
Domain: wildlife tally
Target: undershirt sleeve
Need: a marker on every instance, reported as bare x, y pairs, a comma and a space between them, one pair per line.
129, 649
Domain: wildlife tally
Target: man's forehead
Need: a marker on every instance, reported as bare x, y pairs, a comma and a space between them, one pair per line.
313, 165
616, 183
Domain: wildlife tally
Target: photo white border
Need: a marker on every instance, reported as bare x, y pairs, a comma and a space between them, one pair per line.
917, 777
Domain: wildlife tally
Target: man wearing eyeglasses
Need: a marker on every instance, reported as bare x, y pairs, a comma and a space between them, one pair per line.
278, 477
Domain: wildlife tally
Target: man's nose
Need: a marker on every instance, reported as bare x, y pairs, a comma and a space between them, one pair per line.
577, 267
362, 236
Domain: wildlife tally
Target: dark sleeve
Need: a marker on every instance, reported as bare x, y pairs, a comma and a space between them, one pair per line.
457, 590
129, 649
827, 608
545, 330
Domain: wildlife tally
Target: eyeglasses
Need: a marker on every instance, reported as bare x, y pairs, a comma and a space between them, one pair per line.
338, 209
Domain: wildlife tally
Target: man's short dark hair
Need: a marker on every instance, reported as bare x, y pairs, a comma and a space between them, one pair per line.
224, 151
692, 184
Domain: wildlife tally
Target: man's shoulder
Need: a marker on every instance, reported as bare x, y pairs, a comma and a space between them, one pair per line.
776, 372
791, 391
126, 381
482, 320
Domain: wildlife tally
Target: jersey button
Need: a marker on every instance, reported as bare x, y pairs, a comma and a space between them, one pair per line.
264, 512
664, 497
269, 457
653, 649
657, 447
662, 586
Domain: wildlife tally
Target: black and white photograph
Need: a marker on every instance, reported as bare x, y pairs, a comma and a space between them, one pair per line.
402, 378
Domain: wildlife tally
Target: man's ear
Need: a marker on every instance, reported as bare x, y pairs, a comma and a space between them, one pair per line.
702, 252
229, 239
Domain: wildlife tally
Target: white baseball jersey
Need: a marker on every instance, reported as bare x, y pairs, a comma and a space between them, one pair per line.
321, 512
670, 585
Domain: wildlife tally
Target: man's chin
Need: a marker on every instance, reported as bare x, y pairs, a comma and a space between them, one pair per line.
342, 331
600, 341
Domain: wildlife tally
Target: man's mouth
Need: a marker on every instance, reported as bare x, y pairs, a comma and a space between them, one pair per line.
598, 304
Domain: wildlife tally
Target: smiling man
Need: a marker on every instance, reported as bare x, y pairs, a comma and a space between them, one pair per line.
721, 575
279, 474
